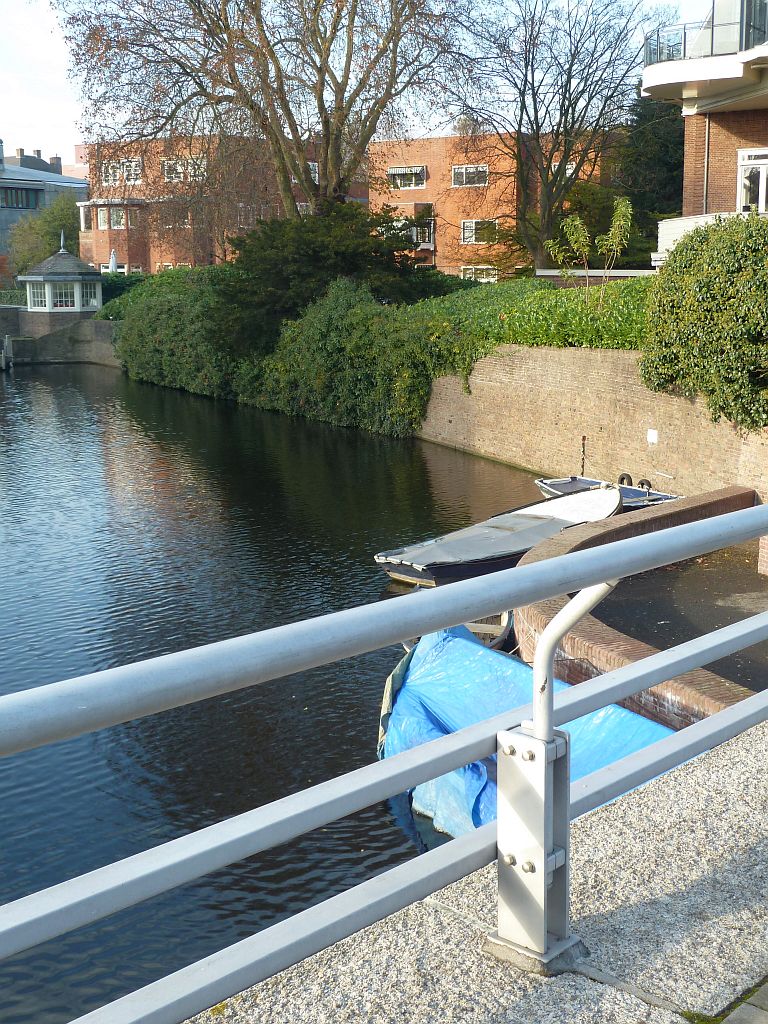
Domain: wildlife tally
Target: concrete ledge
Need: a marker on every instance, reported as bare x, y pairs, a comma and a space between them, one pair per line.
592, 648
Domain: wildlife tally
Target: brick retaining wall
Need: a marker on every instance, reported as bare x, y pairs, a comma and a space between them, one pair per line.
532, 406
592, 648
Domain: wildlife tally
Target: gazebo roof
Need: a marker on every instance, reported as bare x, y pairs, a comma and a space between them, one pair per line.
62, 266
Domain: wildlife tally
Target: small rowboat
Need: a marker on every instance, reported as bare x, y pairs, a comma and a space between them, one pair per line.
497, 543
631, 497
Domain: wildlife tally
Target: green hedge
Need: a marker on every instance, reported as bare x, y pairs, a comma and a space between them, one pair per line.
708, 321
13, 297
170, 331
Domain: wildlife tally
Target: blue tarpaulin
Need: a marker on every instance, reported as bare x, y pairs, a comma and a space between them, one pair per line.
449, 681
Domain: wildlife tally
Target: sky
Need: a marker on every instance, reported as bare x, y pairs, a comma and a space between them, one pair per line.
40, 106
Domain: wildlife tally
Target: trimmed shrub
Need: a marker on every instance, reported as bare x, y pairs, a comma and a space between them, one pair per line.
171, 332
708, 320
115, 285
13, 297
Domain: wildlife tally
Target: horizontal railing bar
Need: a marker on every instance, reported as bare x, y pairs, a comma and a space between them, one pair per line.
70, 708
618, 778
80, 901
179, 996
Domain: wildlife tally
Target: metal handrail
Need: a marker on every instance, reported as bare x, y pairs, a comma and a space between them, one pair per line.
94, 701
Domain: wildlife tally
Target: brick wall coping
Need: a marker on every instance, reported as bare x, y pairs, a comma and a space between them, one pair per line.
592, 648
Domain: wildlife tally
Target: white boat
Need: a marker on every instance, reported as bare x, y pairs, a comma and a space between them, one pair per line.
632, 497
497, 543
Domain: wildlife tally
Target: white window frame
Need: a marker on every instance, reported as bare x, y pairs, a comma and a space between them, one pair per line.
752, 158
466, 232
132, 217
132, 170
116, 213
121, 268
173, 170
63, 295
460, 171
570, 167
102, 218
90, 295
396, 173
484, 274
110, 172
37, 298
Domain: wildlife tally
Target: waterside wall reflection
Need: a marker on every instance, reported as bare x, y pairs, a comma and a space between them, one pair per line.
135, 521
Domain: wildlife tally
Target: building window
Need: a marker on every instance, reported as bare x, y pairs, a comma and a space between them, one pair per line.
116, 217
102, 218
752, 180
304, 209
133, 217
36, 295
570, 167
19, 199
407, 177
136, 268
86, 218
131, 171
63, 295
314, 171
485, 275
90, 295
119, 269
424, 233
179, 169
470, 174
478, 232
115, 171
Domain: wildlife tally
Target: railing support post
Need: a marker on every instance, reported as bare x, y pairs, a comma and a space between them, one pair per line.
533, 785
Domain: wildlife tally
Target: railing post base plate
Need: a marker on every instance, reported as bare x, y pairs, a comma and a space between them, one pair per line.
561, 955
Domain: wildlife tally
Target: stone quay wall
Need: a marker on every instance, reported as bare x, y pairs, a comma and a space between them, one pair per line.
533, 406
81, 341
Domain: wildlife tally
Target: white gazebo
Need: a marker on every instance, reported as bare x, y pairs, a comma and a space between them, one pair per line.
62, 283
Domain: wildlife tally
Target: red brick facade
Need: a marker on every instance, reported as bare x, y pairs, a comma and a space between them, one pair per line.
168, 203
729, 132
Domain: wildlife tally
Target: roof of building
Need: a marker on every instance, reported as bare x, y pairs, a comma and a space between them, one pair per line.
62, 265
10, 173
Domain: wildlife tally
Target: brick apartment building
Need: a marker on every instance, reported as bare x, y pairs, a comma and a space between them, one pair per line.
167, 203
463, 188
717, 70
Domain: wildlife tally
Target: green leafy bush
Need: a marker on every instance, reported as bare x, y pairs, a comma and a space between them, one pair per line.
708, 320
115, 285
13, 297
171, 332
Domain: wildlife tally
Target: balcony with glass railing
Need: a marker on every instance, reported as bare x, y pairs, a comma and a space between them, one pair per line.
729, 27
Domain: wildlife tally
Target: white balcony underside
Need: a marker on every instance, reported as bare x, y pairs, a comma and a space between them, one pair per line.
736, 81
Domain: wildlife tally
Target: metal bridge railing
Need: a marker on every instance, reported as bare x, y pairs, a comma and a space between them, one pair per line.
536, 800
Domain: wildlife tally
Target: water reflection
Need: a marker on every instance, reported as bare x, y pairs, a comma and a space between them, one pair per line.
136, 521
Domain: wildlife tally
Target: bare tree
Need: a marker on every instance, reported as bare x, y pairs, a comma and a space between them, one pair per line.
551, 82
313, 78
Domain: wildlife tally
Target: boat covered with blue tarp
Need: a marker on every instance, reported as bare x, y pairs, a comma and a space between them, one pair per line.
449, 681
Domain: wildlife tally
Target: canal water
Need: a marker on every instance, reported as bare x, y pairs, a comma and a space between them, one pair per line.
135, 521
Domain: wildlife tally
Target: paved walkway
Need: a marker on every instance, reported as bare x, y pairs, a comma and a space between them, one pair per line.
669, 893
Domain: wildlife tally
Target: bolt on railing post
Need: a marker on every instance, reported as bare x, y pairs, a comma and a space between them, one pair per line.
533, 819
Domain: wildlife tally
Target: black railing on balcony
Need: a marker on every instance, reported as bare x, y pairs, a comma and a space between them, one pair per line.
730, 27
